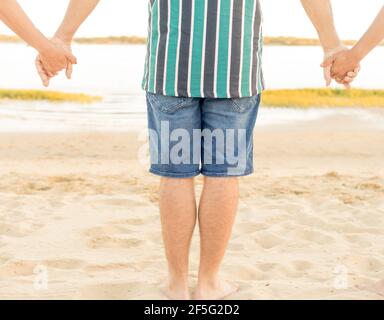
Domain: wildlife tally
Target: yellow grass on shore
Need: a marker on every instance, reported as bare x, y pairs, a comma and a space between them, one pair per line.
305, 98
52, 96
297, 98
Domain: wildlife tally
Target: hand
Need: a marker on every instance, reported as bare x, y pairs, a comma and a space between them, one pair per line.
344, 65
328, 54
64, 48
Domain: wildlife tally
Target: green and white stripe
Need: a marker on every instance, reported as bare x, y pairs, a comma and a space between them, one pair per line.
204, 48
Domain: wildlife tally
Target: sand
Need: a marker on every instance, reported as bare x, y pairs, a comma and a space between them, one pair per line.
78, 216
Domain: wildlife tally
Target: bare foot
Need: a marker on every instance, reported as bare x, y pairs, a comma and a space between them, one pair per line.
175, 291
377, 288
218, 291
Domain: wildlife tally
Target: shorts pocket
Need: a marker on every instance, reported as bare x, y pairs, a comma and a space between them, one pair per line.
245, 104
167, 104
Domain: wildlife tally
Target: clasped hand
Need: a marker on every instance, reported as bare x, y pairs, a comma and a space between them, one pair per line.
55, 58
341, 65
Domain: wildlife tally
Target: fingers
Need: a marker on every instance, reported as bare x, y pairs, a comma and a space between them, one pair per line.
46, 76
348, 79
327, 76
69, 70
347, 85
71, 58
327, 65
43, 75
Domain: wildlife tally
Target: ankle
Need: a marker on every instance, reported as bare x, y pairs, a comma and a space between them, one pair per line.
177, 282
209, 281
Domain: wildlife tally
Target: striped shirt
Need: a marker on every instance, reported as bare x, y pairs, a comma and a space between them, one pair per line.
204, 48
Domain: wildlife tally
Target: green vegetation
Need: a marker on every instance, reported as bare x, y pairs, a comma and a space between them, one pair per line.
296, 98
292, 41
306, 98
4, 38
113, 40
273, 41
52, 96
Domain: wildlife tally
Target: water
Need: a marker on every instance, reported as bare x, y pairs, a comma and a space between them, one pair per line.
114, 72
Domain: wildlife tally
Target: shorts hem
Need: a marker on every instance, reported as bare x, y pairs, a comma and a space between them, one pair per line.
226, 174
174, 175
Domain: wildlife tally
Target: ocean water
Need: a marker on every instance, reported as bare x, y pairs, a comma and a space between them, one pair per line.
115, 71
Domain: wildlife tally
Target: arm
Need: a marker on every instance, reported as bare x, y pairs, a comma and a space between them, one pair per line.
346, 61
371, 39
16, 19
77, 12
321, 15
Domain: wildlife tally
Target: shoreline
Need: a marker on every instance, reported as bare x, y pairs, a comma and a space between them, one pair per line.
95, 121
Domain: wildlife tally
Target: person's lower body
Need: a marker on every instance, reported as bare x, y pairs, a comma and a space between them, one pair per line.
188, 137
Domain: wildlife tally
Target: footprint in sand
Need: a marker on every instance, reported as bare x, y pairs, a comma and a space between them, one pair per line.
154, 237
17, 268
120, 291
266, 267
250, 227
137, 266
363, 264
64, 264
105, 241
96, 268
27, 267
235, 246
106, 230
131, 222
18, 229
358, 240
302, 265
312, 236
374, 287
243, 272
268, 241
4, 258
114, 235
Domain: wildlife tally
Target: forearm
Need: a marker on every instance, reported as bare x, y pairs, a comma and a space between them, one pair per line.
321, 15
15, 18
77, 12
372, 37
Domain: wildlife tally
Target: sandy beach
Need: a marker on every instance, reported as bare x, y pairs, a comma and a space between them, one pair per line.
78, 216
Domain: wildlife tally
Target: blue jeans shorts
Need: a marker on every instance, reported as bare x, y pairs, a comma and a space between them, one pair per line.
192, 136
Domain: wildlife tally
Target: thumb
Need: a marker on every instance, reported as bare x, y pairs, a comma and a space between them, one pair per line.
328, 62
40, 70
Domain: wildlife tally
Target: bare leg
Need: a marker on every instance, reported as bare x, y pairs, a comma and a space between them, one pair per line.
217, 212
178, 219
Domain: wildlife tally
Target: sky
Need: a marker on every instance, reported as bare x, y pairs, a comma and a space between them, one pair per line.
129, 17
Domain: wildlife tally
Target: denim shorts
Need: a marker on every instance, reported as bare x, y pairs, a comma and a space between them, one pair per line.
192, 136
